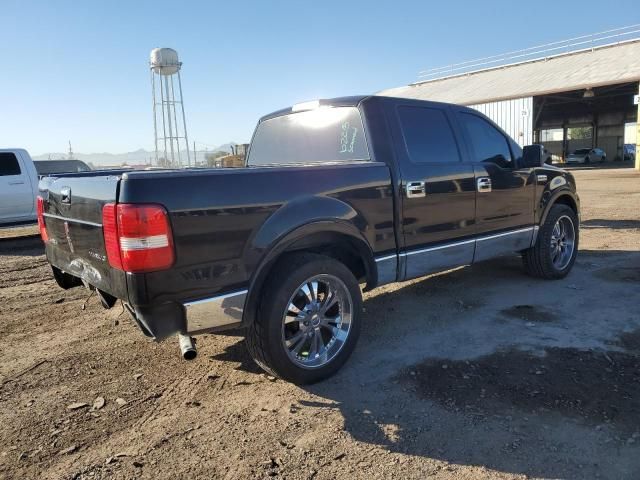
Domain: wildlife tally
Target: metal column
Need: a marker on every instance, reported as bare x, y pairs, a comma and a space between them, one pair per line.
638, 134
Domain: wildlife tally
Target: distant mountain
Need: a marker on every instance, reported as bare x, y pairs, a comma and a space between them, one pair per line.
137, 157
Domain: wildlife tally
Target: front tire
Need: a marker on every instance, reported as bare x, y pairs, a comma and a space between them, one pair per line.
554, 253
308, 322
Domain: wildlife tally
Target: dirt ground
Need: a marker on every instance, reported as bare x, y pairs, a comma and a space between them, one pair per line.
479, 373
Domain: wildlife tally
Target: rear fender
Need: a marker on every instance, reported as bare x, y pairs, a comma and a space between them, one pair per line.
293, 223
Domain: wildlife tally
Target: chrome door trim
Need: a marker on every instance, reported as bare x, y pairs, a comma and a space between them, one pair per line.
437, 259
504, 234
438, 247
416, 189
483, 185
384, 259
474, 239
387, 267
394, 267
491, 246
467, 252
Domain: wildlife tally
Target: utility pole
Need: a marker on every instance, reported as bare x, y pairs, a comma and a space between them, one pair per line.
70, 151
195, 155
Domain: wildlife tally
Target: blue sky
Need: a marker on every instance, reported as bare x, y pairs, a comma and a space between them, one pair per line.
78, 70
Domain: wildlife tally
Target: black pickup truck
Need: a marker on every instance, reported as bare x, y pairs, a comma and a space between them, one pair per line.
336, 193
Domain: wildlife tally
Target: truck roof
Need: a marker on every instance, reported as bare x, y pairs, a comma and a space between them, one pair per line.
350, 101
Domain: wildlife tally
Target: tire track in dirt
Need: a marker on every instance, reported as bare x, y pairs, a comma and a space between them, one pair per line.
176, 392
29, 265
24, 272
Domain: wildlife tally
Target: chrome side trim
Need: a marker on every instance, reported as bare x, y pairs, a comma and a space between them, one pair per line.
215, 312
504, 234
398, 267
72, 220
423, 262
439, 247
384, 259
492, 246
475, 239
387, 269
461, 253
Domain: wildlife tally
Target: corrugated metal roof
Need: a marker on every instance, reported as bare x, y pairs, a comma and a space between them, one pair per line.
572, 71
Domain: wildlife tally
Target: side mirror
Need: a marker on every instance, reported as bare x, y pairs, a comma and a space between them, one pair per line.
532, 156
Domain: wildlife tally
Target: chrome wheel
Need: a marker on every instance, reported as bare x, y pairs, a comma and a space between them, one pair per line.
317, 321
563, 240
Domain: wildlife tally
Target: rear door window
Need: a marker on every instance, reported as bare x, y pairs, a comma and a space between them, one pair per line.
428, 136
9, 164
324, 134
488, 144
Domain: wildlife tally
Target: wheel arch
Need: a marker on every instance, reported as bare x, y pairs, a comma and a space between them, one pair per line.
562, 197
337, 239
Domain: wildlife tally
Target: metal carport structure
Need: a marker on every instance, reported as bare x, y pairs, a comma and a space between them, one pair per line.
510, 88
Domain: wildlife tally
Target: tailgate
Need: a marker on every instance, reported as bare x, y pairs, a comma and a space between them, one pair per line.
73, 219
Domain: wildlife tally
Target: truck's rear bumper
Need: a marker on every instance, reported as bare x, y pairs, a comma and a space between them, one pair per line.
159, 320
212, 314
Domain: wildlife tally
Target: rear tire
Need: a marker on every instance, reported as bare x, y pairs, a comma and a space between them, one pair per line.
308, 322
548, 258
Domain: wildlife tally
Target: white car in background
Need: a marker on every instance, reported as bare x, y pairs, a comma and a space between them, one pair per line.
18, 187
587, 155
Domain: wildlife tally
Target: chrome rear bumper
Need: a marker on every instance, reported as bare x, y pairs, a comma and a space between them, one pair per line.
215, 313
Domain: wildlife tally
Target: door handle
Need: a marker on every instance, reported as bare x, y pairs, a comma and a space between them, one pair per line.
16, 183
415, 189
483, 185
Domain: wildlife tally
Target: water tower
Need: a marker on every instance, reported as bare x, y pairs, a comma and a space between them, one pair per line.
170, 128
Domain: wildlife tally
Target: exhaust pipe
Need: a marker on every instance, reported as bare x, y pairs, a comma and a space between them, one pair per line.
187, 347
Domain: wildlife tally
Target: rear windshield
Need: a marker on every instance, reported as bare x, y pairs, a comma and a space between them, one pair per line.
325, 134
48, 167
582, 151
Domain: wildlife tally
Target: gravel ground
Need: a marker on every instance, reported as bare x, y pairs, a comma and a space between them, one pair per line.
16, 232
479, 373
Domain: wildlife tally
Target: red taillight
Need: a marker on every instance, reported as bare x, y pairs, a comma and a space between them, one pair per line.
110, 232
41, 225
137, 238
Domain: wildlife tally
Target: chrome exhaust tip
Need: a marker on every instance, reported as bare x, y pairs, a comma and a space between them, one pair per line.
187, 347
